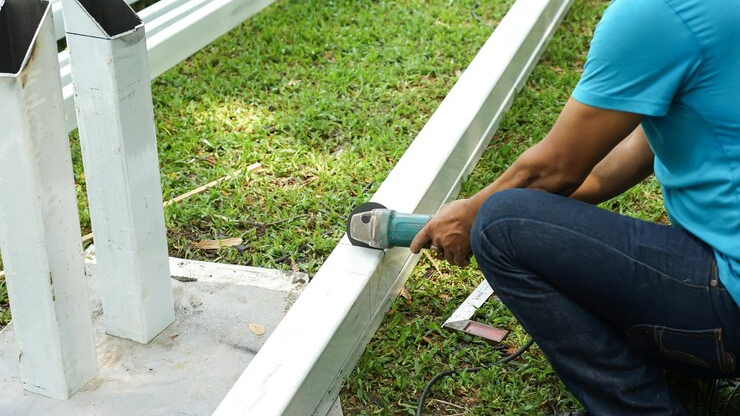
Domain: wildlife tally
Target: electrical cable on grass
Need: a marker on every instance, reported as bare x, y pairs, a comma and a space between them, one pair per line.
522, 350
729, 398
444, 374
710, 397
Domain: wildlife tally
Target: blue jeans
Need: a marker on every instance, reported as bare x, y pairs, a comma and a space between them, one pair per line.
610, 300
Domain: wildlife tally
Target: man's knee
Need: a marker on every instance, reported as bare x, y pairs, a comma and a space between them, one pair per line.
510, 204
494, 226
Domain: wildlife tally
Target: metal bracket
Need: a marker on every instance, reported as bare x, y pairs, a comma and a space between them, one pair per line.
460, 320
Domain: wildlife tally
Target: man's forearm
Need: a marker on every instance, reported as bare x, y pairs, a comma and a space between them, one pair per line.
576, 159
582, 137
626, 165
534, 169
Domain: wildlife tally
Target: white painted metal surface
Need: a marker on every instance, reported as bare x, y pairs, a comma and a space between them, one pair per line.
345, 302
108, 54
39, 223
56, 8
177, 29
188, 34
156, 17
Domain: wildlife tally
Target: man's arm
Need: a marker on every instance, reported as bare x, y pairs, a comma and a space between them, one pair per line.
627, 164
561, 163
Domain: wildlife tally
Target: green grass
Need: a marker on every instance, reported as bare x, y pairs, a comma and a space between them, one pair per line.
411, 347
327, 95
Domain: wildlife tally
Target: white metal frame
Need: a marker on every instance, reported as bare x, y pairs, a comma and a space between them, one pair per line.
175, 30
56, 9
39, 222
107, 44
343, 306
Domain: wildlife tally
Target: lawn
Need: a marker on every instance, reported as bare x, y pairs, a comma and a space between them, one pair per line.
411, 346
326, 96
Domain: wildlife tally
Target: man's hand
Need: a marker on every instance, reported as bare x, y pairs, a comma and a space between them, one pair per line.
449, 231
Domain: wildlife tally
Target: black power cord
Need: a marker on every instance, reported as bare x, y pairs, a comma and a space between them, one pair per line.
522, 350
729, 398
444, 374
710, 398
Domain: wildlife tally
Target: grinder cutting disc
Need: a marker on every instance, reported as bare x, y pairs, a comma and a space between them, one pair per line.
366, 207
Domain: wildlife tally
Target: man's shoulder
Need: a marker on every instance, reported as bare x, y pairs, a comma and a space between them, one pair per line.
629, 10
654, 26
707, 20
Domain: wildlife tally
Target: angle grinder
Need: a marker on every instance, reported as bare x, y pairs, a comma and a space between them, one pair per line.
373, 225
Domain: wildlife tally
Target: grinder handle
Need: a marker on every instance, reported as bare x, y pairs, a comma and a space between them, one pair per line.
403, 228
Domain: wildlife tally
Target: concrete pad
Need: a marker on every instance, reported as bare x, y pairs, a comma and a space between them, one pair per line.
189, 367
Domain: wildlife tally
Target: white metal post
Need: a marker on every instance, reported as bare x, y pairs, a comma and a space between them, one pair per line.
56, 8
110, 73
39, 222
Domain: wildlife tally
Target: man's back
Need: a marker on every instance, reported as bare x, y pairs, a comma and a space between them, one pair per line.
678, 62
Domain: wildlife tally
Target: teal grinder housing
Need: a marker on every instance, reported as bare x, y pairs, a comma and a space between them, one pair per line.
373, 225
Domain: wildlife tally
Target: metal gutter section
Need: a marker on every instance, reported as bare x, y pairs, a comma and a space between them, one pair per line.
461, 318
175, 30
39, 222
108, 54
343, 306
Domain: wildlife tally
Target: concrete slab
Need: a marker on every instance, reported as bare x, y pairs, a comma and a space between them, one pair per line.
189, 367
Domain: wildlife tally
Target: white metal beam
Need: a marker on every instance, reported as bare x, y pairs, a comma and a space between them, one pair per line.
156, 17
343, 305
39, 222
175, 30
108, 54
56, 8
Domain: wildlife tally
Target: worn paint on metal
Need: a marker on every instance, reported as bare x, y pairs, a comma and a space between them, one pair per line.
39, 222
108, 55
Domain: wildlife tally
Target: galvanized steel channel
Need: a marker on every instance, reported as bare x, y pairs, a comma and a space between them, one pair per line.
39, 222
108, 54
300, 369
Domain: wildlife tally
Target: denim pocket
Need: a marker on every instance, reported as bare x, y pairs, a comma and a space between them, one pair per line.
703, 349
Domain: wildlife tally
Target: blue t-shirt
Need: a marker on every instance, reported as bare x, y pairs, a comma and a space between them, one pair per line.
678, 63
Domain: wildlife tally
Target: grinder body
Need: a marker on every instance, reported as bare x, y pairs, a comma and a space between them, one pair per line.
372, 225
399, 230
